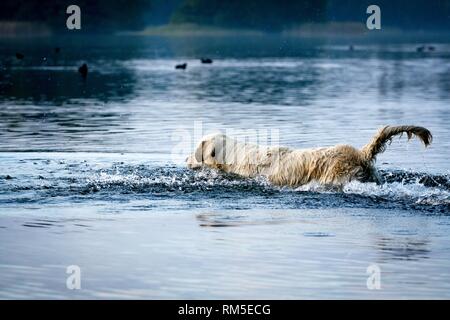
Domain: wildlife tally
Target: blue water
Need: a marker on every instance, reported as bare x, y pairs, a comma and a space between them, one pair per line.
91, 173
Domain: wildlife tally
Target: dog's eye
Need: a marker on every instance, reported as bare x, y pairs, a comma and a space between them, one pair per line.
213, 153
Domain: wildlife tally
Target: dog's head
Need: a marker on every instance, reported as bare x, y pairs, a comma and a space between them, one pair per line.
208, 152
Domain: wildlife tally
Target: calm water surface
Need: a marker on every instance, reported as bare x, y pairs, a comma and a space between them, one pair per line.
91, 173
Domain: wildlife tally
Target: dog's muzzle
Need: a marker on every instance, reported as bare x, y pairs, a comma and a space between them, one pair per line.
192, 163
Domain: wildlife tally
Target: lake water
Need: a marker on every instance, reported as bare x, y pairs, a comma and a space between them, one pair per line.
91, 173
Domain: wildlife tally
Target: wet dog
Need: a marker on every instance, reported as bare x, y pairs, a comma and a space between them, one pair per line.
334, 166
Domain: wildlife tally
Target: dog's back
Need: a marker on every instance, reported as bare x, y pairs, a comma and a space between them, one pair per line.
331, 166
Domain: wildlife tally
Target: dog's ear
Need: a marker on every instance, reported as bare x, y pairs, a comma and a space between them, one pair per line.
199, 152
205, 150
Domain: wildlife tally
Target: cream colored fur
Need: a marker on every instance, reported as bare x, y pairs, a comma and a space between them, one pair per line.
283, 166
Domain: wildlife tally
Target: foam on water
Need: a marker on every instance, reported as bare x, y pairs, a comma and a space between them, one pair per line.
74, 180
418, 188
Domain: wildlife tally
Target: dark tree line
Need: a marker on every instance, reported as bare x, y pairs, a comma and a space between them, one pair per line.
270, 15
279, 14
403, 14
97, 15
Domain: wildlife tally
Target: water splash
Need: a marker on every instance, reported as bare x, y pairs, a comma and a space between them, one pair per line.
81, 182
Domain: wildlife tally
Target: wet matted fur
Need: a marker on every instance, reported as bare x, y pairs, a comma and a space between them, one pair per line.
334, 165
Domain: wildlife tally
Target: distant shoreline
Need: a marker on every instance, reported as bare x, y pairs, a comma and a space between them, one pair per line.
181, 30
343, 30
12, 29
338, 30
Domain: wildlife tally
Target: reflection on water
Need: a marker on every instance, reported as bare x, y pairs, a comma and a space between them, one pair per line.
60, 86
224, 253
409, 248
87, 176
133, 98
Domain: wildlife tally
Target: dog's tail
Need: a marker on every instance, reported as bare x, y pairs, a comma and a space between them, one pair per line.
384, 135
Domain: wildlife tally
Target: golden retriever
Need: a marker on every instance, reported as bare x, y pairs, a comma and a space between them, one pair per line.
334, 166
